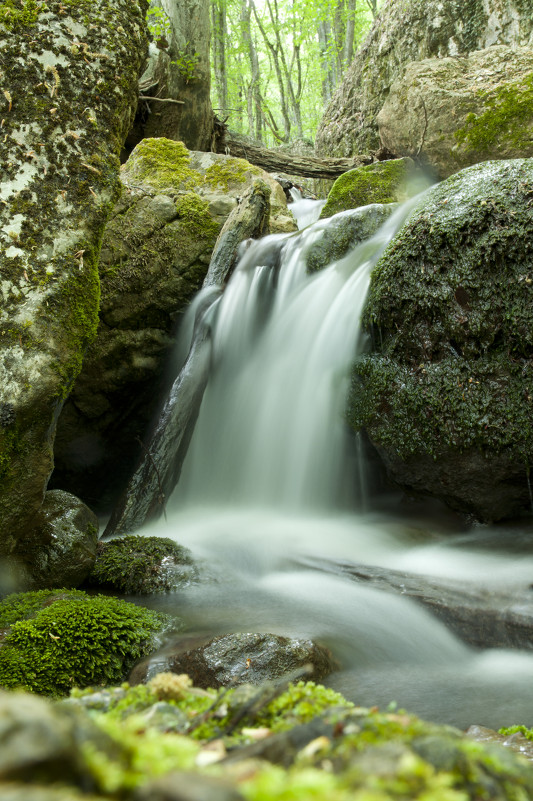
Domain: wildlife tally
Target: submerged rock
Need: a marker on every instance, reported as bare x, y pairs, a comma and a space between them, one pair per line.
406, 32
54, 640
381, 182
142, 565
155, 255
454, 112
446, 394
69, 90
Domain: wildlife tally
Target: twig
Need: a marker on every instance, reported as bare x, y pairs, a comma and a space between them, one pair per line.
425, 128
162, 99
161, 497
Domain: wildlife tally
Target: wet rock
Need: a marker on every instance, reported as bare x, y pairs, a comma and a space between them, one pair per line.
238, 659
68, 536
381, 182
440, 398
406, 32
516, 741
137, 565
188, 787
65, 116
454, 112
346, 230
155, 255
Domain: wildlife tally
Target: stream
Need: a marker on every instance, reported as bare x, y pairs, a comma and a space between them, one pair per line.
273, 483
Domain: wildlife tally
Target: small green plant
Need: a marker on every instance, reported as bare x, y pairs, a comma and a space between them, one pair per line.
158, 23
187, 64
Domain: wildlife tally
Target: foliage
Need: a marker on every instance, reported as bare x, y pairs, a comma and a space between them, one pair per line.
56, 640
141, 565
158, 23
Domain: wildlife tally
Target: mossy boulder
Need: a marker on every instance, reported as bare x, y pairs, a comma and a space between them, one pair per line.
446, 394
407, 31
454, 112
380, 182
155, 255
138, 565
69, 76
55, 640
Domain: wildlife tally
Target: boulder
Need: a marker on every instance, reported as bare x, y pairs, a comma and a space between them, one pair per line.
454, 112
405, 32
446, 393
381, 182
155, 255
69, 90
238, 659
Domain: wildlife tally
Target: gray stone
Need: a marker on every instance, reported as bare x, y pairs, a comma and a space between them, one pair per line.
454, 112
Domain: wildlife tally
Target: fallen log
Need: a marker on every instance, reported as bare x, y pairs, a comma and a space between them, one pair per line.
273, 160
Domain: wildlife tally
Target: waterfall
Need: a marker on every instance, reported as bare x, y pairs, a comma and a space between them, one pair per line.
271, 430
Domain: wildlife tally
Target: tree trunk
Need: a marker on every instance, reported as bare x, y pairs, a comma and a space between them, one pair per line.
304, 166
183, 73
220, 35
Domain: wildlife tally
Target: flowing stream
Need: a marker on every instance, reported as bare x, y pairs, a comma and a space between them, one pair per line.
273, 483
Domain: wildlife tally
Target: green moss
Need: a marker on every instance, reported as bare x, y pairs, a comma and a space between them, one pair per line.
67, 638
230, 171
139, 565
381, 182
299, 704
508, 118
193, 212
17, 16
163, 164
10, 445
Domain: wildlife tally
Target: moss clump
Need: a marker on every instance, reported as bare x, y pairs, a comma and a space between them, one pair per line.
57, 640
381, 182
163, 164
231, 171
141, 565
193, 213
16, 17
508, 118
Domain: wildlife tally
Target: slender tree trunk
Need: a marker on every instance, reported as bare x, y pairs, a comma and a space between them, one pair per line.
324, 41
255, 113
349, 35
279, 75
220, 35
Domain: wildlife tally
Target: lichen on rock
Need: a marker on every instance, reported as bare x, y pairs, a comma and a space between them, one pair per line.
68, 73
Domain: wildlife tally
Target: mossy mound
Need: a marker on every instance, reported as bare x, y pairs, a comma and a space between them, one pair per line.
142, 565
446, 395
381, 182
55, 640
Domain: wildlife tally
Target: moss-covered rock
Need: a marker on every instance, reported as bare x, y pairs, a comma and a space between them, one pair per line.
406, 31
141, 565
454, 112
55, 640
380, 182
69, 76
446, 394
155, 255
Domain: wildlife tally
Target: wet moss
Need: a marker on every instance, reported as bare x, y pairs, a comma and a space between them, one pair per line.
231, 171
381, 182
17, 17
57, 640
193, 212
140, 565
163, 164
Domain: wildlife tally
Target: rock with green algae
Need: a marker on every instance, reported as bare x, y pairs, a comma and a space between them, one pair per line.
407, 31
454, 112
300, 741
446, 395
381, 182
142, 565
155, 255
68, 72
55, 640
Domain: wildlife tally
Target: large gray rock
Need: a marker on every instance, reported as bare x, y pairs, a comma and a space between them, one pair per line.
155, 255
405, 32
69, 90
446, 395
454, 112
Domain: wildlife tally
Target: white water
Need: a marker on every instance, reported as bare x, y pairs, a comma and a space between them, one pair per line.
272, 478
305, 210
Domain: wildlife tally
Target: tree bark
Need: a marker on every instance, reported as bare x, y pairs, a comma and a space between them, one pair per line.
304, 166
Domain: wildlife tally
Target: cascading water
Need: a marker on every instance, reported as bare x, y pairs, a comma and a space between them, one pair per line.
269, 482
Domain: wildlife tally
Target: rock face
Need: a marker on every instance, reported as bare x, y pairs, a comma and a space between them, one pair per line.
69, 75
446, 396
155, 255
412, 31
454, 112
